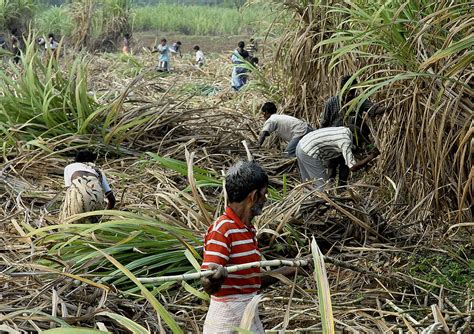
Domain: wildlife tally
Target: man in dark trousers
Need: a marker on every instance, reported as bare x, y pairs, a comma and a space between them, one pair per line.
334, 115
324, 144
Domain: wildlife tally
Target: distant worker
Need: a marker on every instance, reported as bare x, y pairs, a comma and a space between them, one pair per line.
164, 57
288, 128
86, 185
176, 49
126, 44
333, 116
16, 50
239, 73
3, 42
252, 48
41, 46
324, 144
52, 45
199, 56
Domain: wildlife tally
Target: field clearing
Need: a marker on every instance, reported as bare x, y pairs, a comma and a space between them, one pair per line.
377, 283
397, 243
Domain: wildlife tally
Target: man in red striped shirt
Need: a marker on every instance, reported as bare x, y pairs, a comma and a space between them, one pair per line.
231, 240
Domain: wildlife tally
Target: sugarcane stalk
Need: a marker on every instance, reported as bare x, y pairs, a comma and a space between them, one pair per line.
230, 269
249, 155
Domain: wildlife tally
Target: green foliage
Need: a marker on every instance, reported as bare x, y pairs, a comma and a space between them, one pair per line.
127, 65
54, 20
132, 326
40, 99
201, 20
204, 178
160, 310
142, 244
414, 58
16, 14
102, 23
259, 81
198, 89
440, 270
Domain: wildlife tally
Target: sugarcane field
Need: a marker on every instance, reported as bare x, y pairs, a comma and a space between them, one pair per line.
236, 166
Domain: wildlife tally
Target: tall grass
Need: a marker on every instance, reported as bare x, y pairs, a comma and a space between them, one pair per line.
41, 99
17, 15
141, 243
118, 16
415, 57
55, 19
202, 20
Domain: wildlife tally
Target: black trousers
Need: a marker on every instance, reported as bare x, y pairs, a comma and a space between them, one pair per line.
338, 164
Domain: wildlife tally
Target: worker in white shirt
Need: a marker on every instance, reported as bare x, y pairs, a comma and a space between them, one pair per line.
290, 129
199, 56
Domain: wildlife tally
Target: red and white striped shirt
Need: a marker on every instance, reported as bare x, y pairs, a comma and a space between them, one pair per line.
229, 242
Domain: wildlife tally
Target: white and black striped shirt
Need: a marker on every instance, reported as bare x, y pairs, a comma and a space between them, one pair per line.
329, 143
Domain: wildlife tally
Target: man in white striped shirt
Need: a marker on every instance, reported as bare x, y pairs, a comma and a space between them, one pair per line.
324, 144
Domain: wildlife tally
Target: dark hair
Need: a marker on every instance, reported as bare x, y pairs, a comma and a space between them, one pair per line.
196, 47
178, 42
360, 134
243, 178
345, 79
51, 35
269, 107
164, 40
241, 44
85, 156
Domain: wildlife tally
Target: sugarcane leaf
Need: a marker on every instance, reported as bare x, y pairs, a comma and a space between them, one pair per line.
125, 322
324, 292
73, 330
160, 310
195, 292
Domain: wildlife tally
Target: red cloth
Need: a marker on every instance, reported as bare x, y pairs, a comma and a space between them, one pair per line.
229, 242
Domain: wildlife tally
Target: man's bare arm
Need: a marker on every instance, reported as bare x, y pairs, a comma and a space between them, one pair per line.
360, 164
111, 200
264, 135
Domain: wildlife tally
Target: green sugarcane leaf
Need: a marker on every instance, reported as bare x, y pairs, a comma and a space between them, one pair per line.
324, 293
195, 292
125, 322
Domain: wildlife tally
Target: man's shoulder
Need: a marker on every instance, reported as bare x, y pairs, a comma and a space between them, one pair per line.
283, 118
222, 224
330, 130
74, 165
